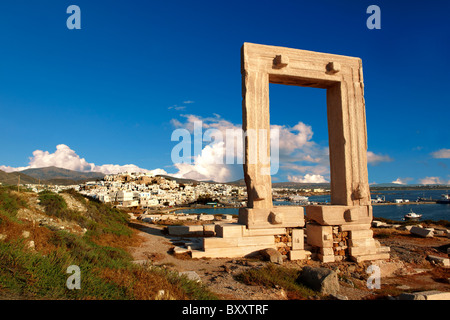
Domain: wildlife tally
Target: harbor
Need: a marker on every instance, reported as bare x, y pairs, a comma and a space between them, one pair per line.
429, 209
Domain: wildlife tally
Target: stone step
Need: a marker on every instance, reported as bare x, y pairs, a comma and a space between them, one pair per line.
369, 257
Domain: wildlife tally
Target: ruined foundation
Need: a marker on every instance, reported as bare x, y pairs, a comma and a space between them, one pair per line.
334, 232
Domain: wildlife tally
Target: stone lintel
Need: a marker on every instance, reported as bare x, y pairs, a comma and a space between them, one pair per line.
333, 215
260, 218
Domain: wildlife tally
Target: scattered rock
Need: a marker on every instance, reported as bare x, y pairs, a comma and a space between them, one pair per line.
406, 228
191, 275
439, 260
403, 287
272, 255
379, 224
31, 245
2, 237
425, 233
26, 234
226, 268
425, 295
180, 250
320, 279
339, 297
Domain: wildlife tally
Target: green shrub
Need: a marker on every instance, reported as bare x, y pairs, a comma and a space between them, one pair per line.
10, 203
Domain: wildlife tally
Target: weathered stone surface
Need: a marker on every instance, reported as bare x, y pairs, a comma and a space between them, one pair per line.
320, 279
439, 260
205, 217
350, 206
185, 230
379, 224
426, 295
339, 215
299, 254
209, 229
191, 275
425, 233
272, 255
229, 230
319, 236
275, 217
298, 239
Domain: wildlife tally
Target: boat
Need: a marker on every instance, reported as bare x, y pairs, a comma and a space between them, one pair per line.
379, 200
445, 199
412, 215
299, 199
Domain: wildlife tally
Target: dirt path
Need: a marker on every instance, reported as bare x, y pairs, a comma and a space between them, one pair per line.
217, 274
407, 270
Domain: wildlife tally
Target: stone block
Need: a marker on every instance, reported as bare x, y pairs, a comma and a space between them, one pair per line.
298, 239
263, 231
215, 242
299, 254
185, 230
209, 229
339, 215
229, 230
425, 233
205, 217
361, 234
365, 250
368, 242
326, 259
379, 224
425, 295
276, 217
327, 251
319, 236
370, 257
354, 227
231, 252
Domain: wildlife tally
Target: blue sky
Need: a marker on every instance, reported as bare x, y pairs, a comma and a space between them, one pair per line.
113, 92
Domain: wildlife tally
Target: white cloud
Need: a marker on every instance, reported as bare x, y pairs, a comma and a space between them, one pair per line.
65, 157
295, 146
402, 180
188, 102
441, 154
308, 178
375, 159
209, 165
175, 107
431, 180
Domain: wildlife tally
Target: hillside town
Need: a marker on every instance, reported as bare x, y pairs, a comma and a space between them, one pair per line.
147, 191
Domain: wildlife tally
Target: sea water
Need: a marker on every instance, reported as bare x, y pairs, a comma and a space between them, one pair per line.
433, 212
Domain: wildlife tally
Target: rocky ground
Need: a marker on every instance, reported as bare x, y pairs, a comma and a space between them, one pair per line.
408, 270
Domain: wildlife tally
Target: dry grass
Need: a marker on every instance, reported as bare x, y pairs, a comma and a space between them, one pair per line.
143, 285
119, 241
